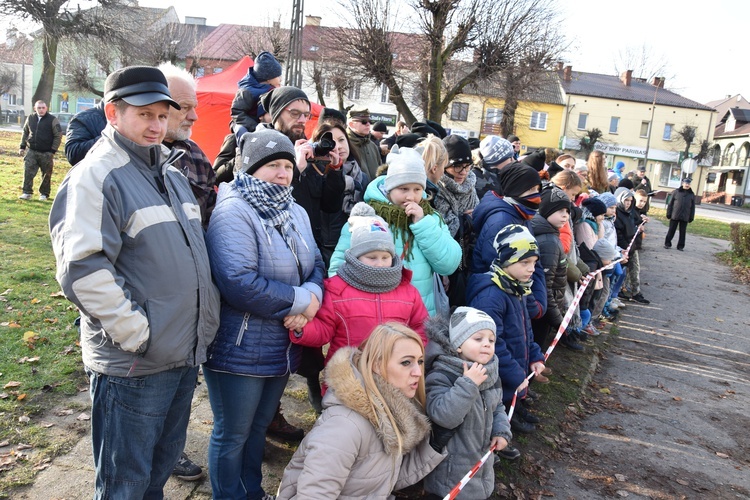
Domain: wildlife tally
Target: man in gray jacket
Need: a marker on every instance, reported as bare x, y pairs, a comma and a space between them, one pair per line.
127, 235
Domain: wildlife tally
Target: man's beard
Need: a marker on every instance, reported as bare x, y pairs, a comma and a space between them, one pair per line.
179, 134
295, 135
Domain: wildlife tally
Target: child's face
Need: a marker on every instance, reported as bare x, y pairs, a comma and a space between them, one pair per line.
627, 203
406, 193
572, 192
274, 82
640, 201
478, 348
611, 211
523, 269
560, 218
376, 258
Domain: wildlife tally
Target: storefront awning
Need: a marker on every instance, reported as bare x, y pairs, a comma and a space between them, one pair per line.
725, 169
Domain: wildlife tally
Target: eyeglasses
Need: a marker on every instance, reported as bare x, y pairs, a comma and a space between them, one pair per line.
295, 113
461, 167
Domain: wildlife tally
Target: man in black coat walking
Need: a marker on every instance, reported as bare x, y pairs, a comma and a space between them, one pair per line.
42, 134
680, 211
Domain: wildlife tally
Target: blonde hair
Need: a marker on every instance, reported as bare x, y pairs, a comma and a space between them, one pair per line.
434, 153
376, 352
566, 179
597, 172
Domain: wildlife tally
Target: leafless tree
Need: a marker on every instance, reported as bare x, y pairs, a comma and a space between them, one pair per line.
588, 141
645, 62
58, 19
488, 35
255, 39
8, 80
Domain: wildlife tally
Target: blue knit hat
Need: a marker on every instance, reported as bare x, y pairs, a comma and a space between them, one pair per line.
266, 67
608, 199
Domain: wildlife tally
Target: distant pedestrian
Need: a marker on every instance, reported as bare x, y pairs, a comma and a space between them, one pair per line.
42, 135
680, 212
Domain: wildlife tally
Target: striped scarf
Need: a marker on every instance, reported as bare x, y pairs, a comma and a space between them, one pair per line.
507, 283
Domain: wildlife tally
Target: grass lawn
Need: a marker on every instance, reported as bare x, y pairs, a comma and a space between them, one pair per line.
40, 360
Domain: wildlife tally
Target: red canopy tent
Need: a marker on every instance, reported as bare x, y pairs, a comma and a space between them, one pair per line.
215, 94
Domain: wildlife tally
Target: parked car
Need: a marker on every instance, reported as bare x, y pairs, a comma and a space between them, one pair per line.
12, 116
64, 119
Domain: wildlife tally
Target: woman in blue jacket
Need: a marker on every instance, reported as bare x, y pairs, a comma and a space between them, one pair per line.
423, 240
270, 274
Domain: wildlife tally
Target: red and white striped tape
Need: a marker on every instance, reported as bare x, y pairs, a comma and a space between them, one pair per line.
566, 321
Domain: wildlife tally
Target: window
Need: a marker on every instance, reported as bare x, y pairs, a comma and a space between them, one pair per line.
670, 175
384, 92
582, 119
493, 116
85, 103
645, 128
327, 85
460, 111
354, 91
199, 72
218, 70
667, 136
538, 120
11, 98
614, 124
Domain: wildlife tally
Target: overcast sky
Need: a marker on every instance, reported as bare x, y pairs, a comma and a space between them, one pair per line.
702, 42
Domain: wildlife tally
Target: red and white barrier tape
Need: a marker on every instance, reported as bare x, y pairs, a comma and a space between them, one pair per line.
566, 321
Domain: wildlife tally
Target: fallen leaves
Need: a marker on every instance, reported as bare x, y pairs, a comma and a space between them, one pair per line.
605, 390
27, 359
83, 417
721, 455
12, 384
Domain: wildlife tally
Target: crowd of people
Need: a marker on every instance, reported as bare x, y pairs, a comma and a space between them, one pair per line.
415, 281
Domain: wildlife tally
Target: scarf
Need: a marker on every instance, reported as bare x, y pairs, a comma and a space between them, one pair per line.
527, 206
370, 279
398, 221
507, 283
272, 203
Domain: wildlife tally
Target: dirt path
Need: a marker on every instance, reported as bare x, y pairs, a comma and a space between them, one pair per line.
675, 422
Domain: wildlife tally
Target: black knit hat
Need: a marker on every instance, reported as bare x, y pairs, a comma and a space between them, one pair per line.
379, 127
553, 200
458, 148
138, 86
438, 128
408, 140
332, 114
595, 206
266, 67
517, 178
279, 98
535, 159
423, 129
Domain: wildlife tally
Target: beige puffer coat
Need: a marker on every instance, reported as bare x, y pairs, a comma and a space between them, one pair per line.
351, 454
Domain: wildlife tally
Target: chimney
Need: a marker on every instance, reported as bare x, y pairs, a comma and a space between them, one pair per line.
626, 77
658, 81
559, 66
312, 20
568, 73
198, 21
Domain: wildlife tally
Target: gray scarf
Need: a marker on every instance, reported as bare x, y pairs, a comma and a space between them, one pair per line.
370, 279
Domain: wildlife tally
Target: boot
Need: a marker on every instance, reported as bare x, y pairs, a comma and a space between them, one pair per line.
314, 394
282, 429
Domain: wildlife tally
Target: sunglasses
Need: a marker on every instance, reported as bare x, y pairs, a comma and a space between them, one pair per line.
364, 122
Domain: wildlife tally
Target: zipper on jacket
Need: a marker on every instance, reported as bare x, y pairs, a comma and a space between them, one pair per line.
241, 334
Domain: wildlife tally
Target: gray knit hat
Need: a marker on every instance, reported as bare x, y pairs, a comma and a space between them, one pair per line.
274, 101
369, 232
465, 322
405, 166
262, 146
266, 67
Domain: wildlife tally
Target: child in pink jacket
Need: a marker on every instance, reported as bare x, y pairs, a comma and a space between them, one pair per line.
370, 288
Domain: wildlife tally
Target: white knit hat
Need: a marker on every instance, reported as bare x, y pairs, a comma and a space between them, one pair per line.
465, 322
405, 166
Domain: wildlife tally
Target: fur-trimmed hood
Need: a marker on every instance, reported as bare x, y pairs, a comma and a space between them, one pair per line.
345, 388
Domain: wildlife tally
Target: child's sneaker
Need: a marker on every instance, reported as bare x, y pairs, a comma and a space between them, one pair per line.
508, 453
638, 297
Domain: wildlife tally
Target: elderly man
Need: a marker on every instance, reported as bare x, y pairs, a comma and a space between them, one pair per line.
194, 164
358, 130
127, 236
42, 134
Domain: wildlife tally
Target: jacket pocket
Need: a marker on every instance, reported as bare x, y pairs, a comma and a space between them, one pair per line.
243, 328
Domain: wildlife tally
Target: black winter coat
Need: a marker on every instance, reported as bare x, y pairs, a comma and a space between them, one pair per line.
555, 263
682, 205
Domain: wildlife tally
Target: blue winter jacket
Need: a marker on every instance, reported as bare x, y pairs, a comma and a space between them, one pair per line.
435, 250
491, 215
260, 284
83, 131
514, 346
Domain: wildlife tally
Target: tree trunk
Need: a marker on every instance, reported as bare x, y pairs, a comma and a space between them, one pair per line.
508, 121
340, 96
46, 83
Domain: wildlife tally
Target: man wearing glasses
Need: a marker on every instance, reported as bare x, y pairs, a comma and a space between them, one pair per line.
358, 131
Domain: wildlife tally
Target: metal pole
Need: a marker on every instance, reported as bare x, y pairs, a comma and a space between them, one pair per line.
650, 128
293, 72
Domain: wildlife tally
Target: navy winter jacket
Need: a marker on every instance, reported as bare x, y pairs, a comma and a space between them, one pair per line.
83, 131
515, 347
489, 217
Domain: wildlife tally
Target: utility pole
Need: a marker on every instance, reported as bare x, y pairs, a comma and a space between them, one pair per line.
650, 128
293, 74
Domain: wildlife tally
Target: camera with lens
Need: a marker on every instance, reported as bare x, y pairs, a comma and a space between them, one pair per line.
325, 145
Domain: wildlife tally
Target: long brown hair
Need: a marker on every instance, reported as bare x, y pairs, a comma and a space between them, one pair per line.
597, 172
